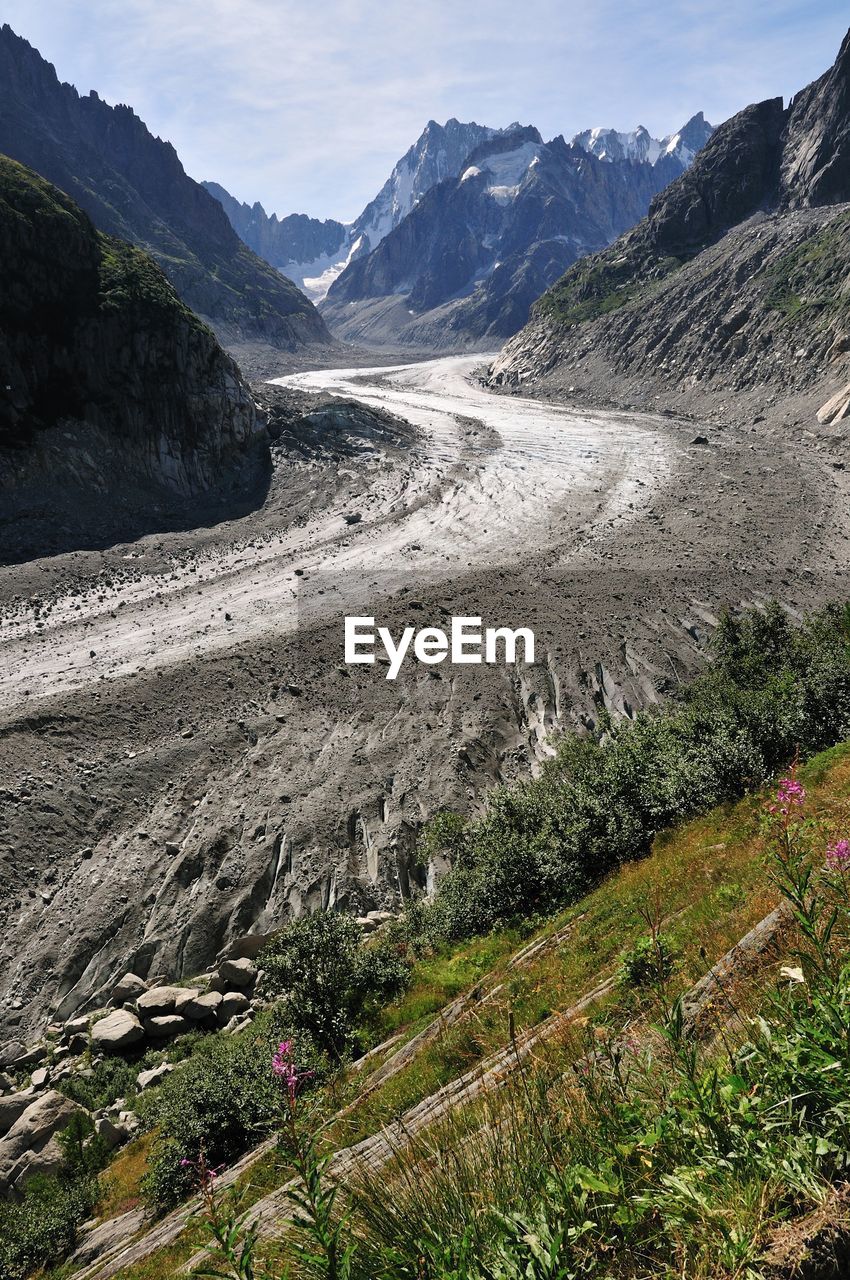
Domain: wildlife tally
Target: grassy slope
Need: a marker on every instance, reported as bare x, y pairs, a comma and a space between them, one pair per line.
706, 881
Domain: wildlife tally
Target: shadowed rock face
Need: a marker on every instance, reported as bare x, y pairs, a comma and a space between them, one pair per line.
133, 185
102, 363
816, 150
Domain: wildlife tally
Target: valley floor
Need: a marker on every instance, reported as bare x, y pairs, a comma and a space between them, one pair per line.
185, 756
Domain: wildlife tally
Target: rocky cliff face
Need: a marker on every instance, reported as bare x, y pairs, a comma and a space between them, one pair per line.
467, 262
313, 252
107, 377
777, 305
133, 185
296, 245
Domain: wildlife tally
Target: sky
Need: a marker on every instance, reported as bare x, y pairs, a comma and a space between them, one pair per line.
306, 105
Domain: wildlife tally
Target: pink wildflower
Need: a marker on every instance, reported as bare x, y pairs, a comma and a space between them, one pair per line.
838, 855
283, 1065
790, 795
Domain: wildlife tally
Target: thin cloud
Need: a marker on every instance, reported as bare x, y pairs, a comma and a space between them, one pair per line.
306, 106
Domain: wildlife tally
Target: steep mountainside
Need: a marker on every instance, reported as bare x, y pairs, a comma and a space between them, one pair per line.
133, 185
303, 249
312, 252
108, 379
736, 279
466, 264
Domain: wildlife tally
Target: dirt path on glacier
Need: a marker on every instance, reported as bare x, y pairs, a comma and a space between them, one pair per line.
184, 756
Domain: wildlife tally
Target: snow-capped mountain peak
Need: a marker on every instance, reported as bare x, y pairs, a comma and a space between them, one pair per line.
611, 145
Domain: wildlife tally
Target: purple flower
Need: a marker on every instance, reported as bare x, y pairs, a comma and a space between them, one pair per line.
838, 855
790, 795
283, 1065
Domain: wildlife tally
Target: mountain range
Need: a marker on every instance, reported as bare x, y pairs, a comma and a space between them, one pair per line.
472, 225
734, 283
313, 253
132, 185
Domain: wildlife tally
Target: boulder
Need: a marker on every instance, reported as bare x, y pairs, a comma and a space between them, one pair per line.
28, 1147
112, 1134
117, 1031
232, 1003
6, 1085
75, 1027
10, 1053
165, 1025
837, 408
130, 987
248, 947
11, 1107
158, 1001
146, 1079
238, 974
187, 995
40, 1078
203, 1008
30, 1057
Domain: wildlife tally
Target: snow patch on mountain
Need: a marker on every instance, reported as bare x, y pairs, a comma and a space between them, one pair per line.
639, 145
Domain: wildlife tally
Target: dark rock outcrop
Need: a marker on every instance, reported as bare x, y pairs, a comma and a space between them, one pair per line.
133, 185
108, 379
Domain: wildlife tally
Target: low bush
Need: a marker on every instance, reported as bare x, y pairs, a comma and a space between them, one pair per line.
772, 691
221, 1101
44, 1226
327, 982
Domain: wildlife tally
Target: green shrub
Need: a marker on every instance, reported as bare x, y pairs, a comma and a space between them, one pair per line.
221, 1101
772, 691
44, 1226
649, 963
327, 980
110, 1078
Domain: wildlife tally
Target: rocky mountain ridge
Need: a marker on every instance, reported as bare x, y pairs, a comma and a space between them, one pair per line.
609, 144
313, 252
466, 264
727, 285
133, 185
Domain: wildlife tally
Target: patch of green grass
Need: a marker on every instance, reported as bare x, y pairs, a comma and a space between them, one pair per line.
809, 281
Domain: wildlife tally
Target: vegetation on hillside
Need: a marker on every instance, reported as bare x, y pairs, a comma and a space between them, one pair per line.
773, 690
647, 1156
809, 282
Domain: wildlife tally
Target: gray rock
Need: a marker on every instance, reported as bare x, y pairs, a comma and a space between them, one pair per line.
238, 974
130, 987
30, 1057
75, 1026
203, 1008
165, 1025
6, 1085
158, 1001
28, 1147
187, 995
10, 1053
117, 1031
232, 1003
112, 1134
146, 1079
40, 1078
11, 1107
